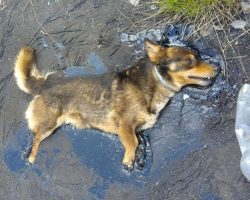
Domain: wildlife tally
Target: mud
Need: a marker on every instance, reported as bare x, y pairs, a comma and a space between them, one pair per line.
191, 153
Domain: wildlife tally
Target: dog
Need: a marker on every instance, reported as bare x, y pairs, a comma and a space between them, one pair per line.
123, 103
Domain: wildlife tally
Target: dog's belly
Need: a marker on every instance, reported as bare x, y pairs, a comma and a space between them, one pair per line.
106, 124
108, 127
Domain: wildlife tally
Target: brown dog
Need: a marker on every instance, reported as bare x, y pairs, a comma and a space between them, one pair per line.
121, 104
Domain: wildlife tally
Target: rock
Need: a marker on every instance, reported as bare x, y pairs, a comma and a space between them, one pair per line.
124, 37
239, 24
185, 96
154, 34
245, 7
134, 2
153, 7
133, 38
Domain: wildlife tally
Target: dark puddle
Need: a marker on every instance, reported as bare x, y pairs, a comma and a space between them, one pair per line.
16, 151
99, 152
103, 153
209, 196
94, 65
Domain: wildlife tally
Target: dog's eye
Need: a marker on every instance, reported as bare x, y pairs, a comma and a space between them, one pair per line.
191, 62
163, 69
164, 63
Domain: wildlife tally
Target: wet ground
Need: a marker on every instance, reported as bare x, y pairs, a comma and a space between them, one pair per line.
192, 152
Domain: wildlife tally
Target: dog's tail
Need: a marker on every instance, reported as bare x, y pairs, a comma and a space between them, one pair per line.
28, 78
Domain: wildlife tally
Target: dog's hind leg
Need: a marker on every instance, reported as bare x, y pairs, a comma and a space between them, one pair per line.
42, 121
36, 143
129, 141
38, 138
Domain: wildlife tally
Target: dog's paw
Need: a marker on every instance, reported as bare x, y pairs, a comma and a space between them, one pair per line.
128, 163
31, 159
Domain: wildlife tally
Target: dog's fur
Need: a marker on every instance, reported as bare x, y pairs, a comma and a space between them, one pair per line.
121, 104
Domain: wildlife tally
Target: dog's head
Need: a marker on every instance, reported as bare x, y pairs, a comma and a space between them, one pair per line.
180, 65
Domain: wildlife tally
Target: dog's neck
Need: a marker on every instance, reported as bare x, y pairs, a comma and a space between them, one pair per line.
163, 92
164, 82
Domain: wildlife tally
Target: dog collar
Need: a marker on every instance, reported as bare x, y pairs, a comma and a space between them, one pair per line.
164, 82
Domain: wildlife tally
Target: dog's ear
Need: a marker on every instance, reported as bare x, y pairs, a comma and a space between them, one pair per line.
153, 50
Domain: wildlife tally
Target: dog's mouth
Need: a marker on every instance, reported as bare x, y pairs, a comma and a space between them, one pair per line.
206, 79
203, 81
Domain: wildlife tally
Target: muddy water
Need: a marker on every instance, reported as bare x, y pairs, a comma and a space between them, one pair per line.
191, 153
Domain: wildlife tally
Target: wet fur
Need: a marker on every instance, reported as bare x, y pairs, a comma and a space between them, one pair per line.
122, 103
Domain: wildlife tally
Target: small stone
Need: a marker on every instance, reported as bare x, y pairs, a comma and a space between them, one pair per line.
124, 37
158, 34
133, 38
138, 52
154, 34
134, 2
153, 7
245, 7
239, 24
185, 96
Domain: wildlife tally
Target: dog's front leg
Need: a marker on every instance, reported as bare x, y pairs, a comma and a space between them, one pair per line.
129, 141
